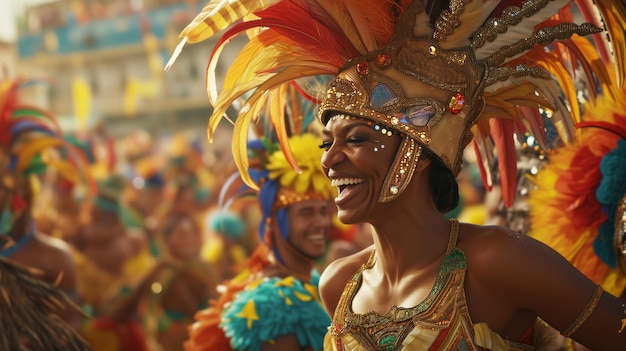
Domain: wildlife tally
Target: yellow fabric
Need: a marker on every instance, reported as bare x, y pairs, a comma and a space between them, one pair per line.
100, 339
93, 282
139, 263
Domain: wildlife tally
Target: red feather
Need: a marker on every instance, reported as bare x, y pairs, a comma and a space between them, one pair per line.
502, 132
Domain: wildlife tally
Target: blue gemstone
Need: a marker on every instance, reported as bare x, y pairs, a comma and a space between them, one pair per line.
418, 115
382, 95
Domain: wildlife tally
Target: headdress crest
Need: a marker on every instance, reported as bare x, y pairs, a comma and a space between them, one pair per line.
480, 70
30, 141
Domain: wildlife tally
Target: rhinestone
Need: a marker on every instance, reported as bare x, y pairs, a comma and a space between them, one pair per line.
394, 120
363, 68
456, 103
383, 60
393, 189
432, 50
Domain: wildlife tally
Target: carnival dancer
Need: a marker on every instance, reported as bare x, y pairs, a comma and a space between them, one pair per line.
414, 83
274, 304
30, 142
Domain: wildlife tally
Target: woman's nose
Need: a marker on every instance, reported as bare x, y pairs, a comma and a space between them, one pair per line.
331, 157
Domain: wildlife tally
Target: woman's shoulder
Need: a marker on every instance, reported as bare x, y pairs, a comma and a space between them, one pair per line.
499, 254
336, 275
494, 241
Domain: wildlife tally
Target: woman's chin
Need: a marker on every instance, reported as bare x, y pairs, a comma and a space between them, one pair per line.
349, 217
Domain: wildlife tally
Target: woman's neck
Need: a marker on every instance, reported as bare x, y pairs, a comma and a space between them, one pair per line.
409, 243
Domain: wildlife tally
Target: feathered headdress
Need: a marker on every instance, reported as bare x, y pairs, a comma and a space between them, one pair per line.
30, 141
443, 74
579, 205
281, 185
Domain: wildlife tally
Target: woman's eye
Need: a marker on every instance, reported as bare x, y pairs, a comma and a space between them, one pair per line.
326, 145
356, 140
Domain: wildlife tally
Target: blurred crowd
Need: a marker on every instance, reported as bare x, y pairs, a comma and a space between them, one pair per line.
144, 234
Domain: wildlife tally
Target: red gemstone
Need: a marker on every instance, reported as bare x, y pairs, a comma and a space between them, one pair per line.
338, 328
457, 101
339, 345
383, 60
363, 68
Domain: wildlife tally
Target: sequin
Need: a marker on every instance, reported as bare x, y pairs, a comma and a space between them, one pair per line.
388, 342
382, 95
363, 68
457, 101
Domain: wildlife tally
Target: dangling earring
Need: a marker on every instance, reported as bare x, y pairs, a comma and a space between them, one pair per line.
402, 169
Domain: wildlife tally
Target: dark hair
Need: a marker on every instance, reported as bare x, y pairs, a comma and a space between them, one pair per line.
445, 190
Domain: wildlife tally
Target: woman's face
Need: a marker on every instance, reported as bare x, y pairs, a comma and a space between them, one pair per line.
358, 154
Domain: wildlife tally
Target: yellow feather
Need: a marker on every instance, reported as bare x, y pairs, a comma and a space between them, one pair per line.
214, 17
225, 100
277, 116
240, 136
590, 53
614, 14
219, 14
27, 151
240, 69
560, 72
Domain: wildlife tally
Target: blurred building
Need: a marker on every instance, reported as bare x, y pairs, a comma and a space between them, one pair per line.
102, 62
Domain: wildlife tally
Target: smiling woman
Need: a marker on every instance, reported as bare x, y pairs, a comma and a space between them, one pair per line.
414, 82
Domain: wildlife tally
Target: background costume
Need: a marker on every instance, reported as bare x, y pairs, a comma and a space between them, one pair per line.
32, 304
578, 206
267, 300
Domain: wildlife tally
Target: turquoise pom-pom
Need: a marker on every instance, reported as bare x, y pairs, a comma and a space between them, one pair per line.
610, 191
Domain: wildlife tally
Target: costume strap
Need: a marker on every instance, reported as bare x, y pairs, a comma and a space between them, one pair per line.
582, 317
454, 234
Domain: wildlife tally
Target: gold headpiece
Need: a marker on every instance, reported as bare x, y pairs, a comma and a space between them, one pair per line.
485, 69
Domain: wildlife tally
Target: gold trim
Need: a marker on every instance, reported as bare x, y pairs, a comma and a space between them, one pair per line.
586, 312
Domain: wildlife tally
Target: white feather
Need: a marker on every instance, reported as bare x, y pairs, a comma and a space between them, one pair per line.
474, 15
422, 26
522, 30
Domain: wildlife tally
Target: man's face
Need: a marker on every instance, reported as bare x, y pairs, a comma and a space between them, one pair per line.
185, 240
309, 224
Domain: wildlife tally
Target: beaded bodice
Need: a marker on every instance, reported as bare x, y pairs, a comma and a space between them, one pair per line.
440, 322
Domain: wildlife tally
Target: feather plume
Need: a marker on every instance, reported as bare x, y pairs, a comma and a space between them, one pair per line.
483, 148
375, 21
502, 132
214, 17
472, 17
565, 204
530, 18
567, 115
593, 67
591, 14
277, 116
334, 15
614, 14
